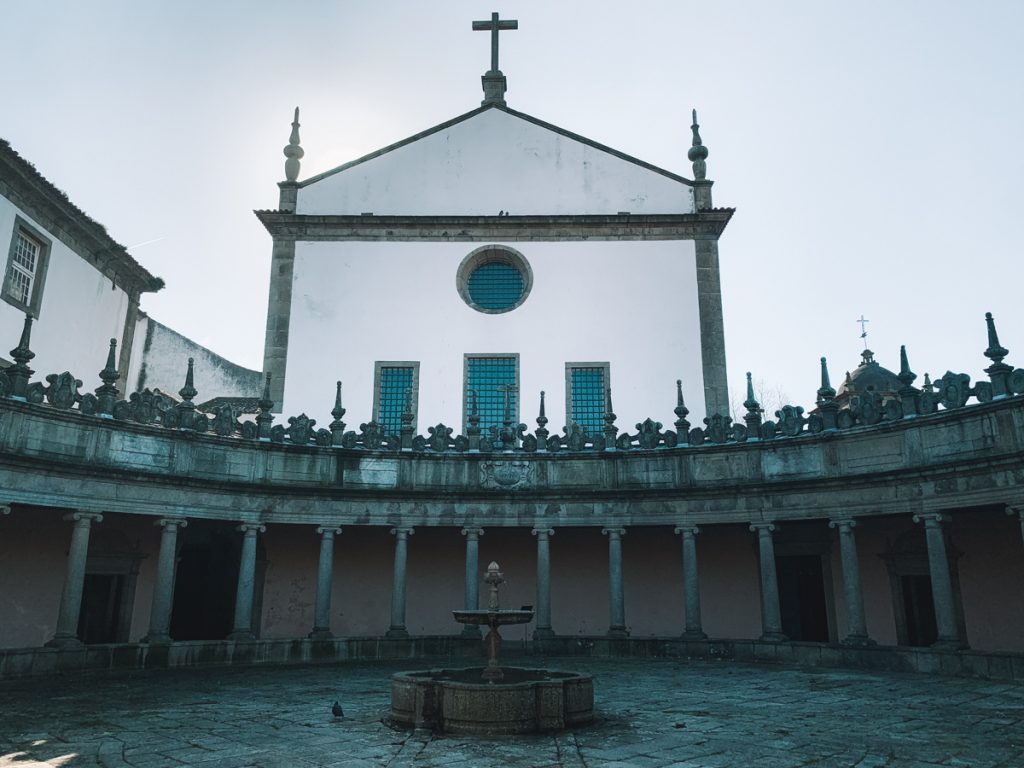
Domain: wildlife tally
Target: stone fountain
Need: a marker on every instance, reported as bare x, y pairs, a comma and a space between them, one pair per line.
492, 700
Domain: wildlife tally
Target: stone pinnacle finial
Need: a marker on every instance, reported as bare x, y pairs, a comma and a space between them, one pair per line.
338, 411
188, 391
995, 351
751, 403
681, 411
109, 373
542, 420
293, 151
698, 152
753, 415
906, 376
542, 426
826, 385
106, 393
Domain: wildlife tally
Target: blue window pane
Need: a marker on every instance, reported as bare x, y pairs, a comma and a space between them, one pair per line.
485, 376
495, 285
395, 383
587, 389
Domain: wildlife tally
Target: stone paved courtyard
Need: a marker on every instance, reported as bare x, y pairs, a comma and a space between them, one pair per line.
654, 713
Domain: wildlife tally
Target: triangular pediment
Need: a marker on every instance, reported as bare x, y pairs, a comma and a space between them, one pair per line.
493, 160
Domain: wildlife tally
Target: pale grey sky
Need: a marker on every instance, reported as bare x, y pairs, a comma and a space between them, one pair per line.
872, 149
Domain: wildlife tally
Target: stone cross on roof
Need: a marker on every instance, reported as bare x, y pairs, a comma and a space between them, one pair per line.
863, 330
493, 81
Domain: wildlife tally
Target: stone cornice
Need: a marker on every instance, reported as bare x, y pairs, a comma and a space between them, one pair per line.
28, 189
683, 226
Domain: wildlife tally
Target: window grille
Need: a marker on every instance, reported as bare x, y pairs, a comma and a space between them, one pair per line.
22, 271
395, 384
587, 387
489, 377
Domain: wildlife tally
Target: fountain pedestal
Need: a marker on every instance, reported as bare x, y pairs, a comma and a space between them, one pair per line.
492, 701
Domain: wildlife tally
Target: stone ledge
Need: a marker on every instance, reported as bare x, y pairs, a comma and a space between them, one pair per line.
34, 662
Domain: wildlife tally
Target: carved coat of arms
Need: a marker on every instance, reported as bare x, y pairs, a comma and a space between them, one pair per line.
506, 475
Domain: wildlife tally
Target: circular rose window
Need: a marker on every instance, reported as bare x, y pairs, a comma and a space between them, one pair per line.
494, 279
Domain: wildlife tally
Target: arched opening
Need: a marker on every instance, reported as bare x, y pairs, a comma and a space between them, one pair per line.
206, 581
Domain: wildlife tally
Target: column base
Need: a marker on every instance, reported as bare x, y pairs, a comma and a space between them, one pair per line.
543, 633
471, 631
321, 634
694, 634
154, 639
858, 641
617, 632
65, 641
949, 644
397, 632
773, 637
241, 636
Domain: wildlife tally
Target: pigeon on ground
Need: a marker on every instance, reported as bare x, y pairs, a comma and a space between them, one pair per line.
337, 711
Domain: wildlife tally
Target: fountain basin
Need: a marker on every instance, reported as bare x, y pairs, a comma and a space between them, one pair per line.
525, 701
495, 618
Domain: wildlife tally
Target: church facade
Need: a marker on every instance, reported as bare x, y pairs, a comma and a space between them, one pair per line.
881, 526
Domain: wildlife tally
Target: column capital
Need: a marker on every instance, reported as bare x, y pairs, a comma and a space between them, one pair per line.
1011, 509
81, 516
251, 529
613, 532
842, 523
328, 530
762, 528
930, 519
473, 532
403, 533
542, 532
687, 529
170, 522
5, 509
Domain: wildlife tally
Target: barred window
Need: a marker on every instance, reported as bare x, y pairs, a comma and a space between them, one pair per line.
490, 377
26, 268
494, 279
586, 388
395, 384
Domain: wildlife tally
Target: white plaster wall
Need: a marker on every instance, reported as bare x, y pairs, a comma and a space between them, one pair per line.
164, 357
495, 162
633, 304
79, 314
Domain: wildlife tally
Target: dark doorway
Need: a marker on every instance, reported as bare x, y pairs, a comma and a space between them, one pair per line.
802, 597
919, 610
204, 588
101, 608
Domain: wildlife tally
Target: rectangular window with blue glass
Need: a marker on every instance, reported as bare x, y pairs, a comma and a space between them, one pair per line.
586, 391
491, 378
395, 388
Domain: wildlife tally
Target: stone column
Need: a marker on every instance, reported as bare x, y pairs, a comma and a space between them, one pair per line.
163, 589
616, 601
543, 628
472, 601
942, 584
771, 618
691, 583
66, 635
246, 583
397, 628
324, 577
857, 628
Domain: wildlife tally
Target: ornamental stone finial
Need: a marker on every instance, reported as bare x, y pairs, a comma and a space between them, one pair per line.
825, 391
999, 372
189, 391
106, 393
265, 419
293, 151
337, 426
906, 376
542, 426
20, 373
753, 415
681, 411
610, 430
908, 392
698, 152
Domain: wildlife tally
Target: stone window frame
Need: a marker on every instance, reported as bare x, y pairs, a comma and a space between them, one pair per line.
569, 366
486, 254
465, 383
25, 229
415, 365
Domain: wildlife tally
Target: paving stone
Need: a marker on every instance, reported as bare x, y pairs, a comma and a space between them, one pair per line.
651, 714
